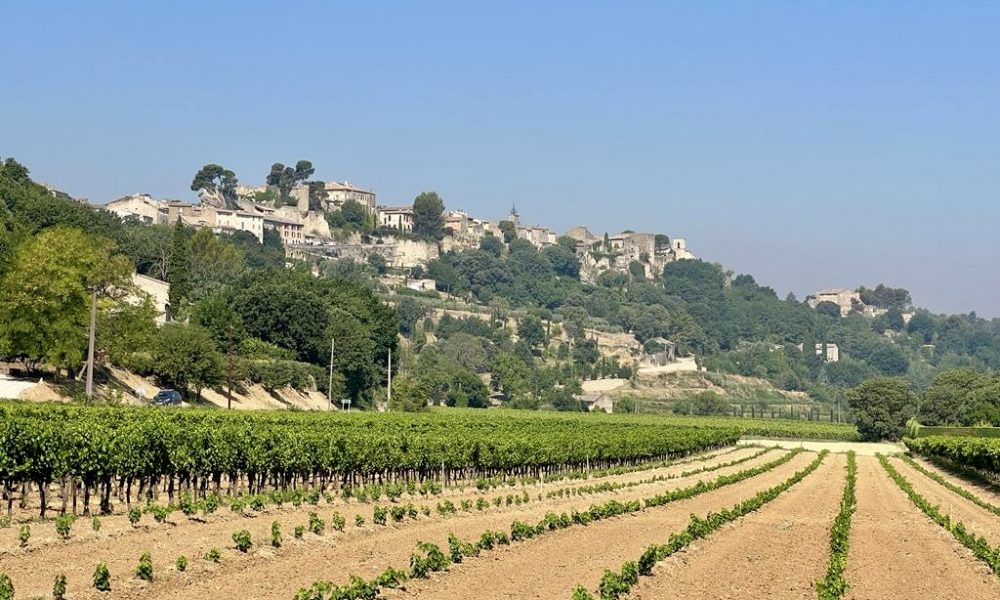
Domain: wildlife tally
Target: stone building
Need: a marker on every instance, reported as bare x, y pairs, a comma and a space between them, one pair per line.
337, 194
291, 232
399, 218
143, 207
844, 298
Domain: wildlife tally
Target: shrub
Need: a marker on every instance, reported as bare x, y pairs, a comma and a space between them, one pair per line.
276, 534
160, 513
181, 563
359, 521
242, 540
6, 587
59, 588
338, 521
299, 531
63, 524
4, 522
211, 503
398, 512
24, 535
213, 555
145, 569
379, 515
102, 578
581, 593
134, 515
95, 523
316, 524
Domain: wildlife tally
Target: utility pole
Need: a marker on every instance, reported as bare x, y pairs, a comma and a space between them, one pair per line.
388, 395
90, 344
229, 369
329, 386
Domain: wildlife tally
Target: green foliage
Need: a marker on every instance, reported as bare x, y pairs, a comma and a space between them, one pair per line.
242, 540
834, 585
6, 587
24, 535
276, 534
134, 514
881, 407
185, 356
95, 523
45, 297
102, 578
145, 569
213, 555
355, 215
215, 178
179, 274
63, 525
58, 588
428, 216
181, 563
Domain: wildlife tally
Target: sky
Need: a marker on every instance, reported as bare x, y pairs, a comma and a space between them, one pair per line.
811, 144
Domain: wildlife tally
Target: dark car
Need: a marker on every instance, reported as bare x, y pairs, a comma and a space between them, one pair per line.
167, 398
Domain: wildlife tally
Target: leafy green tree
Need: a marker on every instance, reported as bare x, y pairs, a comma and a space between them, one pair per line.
185, 356
179, 269
408, 394
881, 407
355, 216
428, 216
491, 244
509, 231
125, 328
217, 316
45, 297
531, 331
214, 262
923, 326
950, 399
564, 261
218, 179
410, 312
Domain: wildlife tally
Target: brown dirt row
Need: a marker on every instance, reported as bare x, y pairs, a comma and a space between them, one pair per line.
989, 493
551, 566
117, 526
777, 552
897, 552
978, 520
33, 571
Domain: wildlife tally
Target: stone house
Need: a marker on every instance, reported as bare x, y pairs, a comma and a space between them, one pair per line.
399, 218
337, 194
143, 207
291, 232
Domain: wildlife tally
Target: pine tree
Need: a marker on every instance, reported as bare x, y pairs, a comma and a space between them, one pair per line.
179, 269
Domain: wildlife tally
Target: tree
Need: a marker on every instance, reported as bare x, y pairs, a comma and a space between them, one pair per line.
214, 262
179, 269
284, 178
509, 231
410, 312
408, 394
217, 316
354, 214
881, 407
492, 244
126, 329
922, 326
303, 170
45, 297
949, 400
428, 216
531, 331
184, 356
217, 179
317, 195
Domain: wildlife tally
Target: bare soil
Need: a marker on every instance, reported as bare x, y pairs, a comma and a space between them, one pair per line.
33, 569
976, 519
777, 552
987, 492
897, 552
551, 566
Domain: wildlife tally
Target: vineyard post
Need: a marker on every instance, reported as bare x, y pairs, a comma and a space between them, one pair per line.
388, 394
90, 344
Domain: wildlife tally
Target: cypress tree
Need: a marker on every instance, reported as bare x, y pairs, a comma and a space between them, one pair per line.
179, 269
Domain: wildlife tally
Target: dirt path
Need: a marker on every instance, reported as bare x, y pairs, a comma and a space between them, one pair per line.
551, 566
897, 552
33, 571
777, 552
976, 519
860, 448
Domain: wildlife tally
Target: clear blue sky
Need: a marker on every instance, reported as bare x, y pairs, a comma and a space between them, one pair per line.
812, 144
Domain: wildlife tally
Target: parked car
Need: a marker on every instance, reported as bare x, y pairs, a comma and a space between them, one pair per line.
167, 398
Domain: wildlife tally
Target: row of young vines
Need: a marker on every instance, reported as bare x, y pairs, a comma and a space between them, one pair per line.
137, 452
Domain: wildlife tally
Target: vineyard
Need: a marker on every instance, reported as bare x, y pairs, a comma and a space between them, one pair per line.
195, 504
